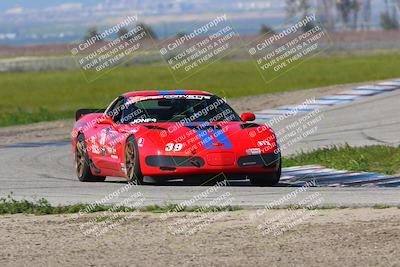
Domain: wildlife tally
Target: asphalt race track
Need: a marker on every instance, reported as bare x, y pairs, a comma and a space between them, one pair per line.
45, 170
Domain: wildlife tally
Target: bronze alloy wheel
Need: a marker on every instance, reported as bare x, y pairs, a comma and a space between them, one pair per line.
80, 160
133, 172
130, 160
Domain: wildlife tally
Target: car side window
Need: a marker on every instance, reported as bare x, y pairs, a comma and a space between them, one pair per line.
115, 110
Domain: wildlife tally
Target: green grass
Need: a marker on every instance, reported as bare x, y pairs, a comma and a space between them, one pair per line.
381, 159
9, 205
318, 207
43, 207
380, 206
42, 96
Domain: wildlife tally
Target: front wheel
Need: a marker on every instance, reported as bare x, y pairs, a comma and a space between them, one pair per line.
267, 179
132, 164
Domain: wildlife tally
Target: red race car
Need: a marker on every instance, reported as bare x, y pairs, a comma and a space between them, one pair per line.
167, 135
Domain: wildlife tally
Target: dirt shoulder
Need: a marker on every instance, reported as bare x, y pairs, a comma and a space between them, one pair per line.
61, 130
342, 237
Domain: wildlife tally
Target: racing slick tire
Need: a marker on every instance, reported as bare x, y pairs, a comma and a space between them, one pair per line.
267, 179
132, 164
82, 162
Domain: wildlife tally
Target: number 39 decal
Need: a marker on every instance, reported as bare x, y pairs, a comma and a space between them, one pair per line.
173, 147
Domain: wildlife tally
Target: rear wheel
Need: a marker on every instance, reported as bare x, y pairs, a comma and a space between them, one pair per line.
267, 179
132, 164
82, 162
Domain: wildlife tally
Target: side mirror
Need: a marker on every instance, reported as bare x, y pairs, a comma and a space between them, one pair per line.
249, 116
106, 120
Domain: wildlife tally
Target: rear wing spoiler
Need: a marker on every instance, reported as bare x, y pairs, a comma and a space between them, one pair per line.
81, 112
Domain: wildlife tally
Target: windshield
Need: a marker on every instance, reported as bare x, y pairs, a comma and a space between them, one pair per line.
179, 108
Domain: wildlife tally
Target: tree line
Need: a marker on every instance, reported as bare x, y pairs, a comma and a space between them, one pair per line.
341, 15
93, 32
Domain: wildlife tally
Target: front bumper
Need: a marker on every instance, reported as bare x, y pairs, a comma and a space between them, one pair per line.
159, 165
